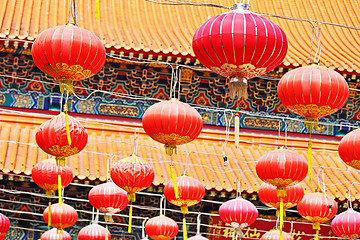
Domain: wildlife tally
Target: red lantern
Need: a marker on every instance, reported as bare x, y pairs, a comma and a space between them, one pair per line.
4, 226
54, 234
53, 139
45, 175
108, 198
238, 213
68, 53
191, 191
240, 44
349, 149
172, 123
281, 168
94, 232
347, 224
276, 235
197, 237
161, 228
268, 195
62, 215
313, 91
132, 175
317, 208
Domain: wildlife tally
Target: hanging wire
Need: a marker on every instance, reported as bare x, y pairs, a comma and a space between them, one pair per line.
187, 163
143, 233
135, 141
198, 224
73, 12
318, 51
227, 133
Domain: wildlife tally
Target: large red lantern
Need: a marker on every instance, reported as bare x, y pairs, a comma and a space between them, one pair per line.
349, 149
190, 190
108, 198
4, 226
240, 44
313, 91
54, 234
161, 228
68, 53
172, 123
45, 175
269, 196
347, 224
53, 138
62, 215
276, 235
317, 208
238, 213
94, 232
132, 175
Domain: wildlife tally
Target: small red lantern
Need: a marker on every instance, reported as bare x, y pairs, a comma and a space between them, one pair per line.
313, 91
161, 228
240, 44
268, 195
94, 232
281, 168
317, 208
190, 190
172, 123
53, 138
62, 215
45, 175
54, 234
108, 198
68, 53
347, 224
349, 149
238, 213
4, 226
132, 175
197, 237
276, 235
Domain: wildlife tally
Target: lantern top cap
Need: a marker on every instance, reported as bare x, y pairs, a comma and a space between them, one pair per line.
241, 6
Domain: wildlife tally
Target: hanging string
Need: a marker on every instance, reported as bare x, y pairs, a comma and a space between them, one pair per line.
162, 208
135, 141
143, 233
318, 51
237, 127
227, 133
186, 163
179, 80
349, 197
198, 224
286, 126
109, 162
73, 9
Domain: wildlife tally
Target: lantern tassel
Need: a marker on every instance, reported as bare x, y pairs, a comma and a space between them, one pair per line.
60, 160
281, 218
66, 85
173, 177
237, 127
49, 214
170, 149
130, 218
108, 218
67, 124
184, 228
106, 233
60, 190
131, 197
317, 234
97, 9
50, 193
310, 160
238, 88
184, 210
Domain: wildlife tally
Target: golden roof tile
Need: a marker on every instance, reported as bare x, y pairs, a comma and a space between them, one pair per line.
111, 140
139, 25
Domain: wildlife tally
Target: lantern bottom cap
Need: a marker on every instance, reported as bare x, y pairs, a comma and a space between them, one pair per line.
238, 88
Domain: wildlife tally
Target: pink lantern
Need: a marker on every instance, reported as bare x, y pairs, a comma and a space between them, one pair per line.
54, 234
275, 235
198, 237
347, 224
94, 232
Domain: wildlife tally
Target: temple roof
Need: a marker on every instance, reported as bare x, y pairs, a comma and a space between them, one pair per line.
141, 26
111, 140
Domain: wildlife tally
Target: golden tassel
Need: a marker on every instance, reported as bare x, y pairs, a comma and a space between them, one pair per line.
49, 214
130, 218
317, 234
97, 9
184, 210
106, 233
184, 228
59, 190
67, 124
173, 177
50, 193
131, 197
66, 85
237, 127
310, 160
60, 160
281, 218
170, 149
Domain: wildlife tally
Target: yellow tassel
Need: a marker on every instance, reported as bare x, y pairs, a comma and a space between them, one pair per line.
310, 160
170, 149
49, 215
59, 190
184, 210
237, 127
97, 9
106, 233
67, 124
281, 217
184, 228
316, 226
66, 85
50, 193
317, 234
173, 177
130, 219
60, 160
131, 197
